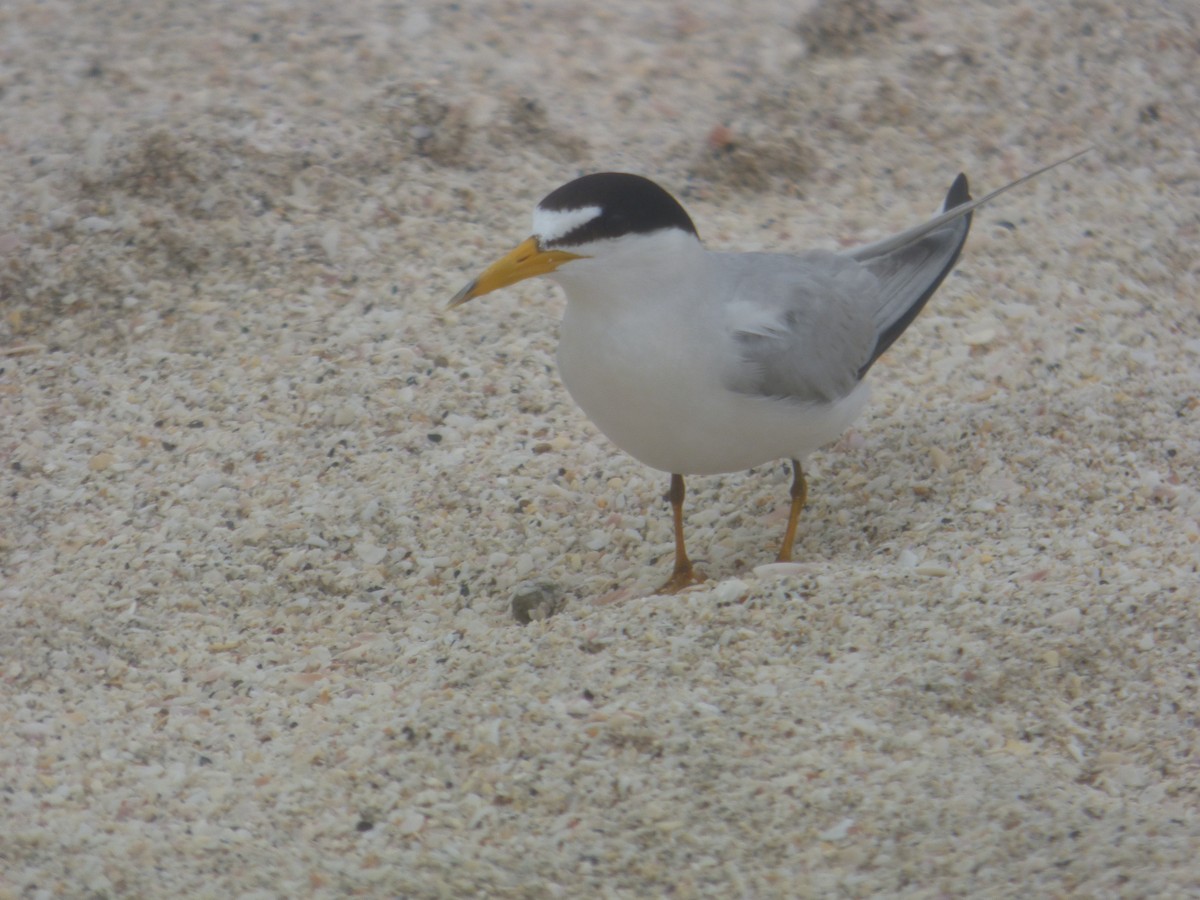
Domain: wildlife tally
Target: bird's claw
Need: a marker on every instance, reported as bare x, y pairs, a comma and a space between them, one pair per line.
682, 577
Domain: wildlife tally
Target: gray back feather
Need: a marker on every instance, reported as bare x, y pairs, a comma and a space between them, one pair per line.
804, 328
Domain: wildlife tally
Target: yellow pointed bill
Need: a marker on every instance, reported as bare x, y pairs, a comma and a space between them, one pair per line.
526, 260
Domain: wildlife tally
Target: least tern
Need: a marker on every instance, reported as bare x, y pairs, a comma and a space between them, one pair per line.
697, 361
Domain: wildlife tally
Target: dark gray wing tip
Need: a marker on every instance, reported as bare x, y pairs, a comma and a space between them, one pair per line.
959, 193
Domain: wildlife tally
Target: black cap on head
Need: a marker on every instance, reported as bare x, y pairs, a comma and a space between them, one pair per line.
628, 204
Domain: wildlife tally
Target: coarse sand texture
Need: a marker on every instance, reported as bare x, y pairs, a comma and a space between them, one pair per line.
310, 587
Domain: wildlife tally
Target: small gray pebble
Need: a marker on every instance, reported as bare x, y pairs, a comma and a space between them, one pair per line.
534, 601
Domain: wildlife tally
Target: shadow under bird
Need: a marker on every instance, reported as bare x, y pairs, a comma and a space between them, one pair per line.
696, 361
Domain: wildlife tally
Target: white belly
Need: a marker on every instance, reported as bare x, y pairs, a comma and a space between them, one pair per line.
663, 401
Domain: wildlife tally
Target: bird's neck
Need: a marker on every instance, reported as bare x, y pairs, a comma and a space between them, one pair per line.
633, 271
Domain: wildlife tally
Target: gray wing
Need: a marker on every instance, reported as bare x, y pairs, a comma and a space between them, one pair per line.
820, 320
912, 265
802, 325
809, 327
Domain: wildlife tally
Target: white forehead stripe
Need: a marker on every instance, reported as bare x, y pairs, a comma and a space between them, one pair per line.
552, 224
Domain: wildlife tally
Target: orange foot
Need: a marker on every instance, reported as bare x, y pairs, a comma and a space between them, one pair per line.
681, 578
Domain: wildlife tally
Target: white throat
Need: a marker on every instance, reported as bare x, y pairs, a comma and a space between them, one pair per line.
635, 269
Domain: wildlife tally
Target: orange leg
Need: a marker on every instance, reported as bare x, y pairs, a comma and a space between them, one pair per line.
799, 498
684, 574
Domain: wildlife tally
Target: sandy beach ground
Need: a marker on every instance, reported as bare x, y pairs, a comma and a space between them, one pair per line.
264, 504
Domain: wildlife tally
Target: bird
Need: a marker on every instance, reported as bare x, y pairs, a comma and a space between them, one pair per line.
699, 362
